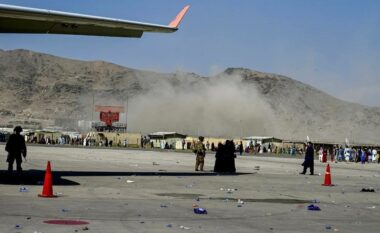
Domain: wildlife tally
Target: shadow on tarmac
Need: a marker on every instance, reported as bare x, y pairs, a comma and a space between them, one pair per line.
32, 177
36, 177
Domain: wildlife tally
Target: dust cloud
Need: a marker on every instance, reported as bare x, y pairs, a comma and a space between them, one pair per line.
221, 105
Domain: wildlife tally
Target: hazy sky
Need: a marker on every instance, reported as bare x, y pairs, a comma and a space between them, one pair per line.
334, 45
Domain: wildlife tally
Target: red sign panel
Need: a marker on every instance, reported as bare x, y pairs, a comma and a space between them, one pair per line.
109, 117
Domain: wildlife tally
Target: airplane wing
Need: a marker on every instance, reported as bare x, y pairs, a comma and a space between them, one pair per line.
16, 19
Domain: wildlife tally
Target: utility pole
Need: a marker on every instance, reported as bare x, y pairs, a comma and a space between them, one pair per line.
126, 116
93, 107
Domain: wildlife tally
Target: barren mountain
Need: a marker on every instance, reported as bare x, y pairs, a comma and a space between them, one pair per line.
43, 90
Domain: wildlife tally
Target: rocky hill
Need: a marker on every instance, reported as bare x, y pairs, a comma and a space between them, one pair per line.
42, 90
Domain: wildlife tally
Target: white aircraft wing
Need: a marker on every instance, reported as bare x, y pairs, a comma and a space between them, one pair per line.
16, 19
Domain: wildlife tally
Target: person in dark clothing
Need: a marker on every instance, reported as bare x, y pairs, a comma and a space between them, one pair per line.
219, 158
230, 156
15, 148
212, 146
309, 159
241, 148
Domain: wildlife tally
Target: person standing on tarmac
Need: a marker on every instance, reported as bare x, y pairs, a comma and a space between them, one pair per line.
200, 151
15, 148
309, 159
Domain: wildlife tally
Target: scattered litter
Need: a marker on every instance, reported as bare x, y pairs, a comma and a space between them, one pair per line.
163, 206
119, 178
18, 226
328, 227
240, 202
130, 181
372, 207
155, 164
85, 229
347, 206
229, 190
142, 222
257, 168
24, 189
169, 225
313, 208
370, 190
185, 228
336, 229
200, 211
65, 210
28, 218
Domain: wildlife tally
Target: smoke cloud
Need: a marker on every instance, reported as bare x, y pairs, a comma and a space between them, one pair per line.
217, 106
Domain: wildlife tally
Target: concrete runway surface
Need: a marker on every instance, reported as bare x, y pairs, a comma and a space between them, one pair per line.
94, 185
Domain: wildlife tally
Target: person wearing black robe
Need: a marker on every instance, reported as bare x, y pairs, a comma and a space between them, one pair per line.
230, 156
219, 158
309, 159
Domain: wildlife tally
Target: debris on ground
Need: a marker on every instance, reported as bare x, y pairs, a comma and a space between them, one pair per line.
169, 225
313, 208
130, 181
155, 164
240, 203
24, 189
185, 228
200, 211
370, 190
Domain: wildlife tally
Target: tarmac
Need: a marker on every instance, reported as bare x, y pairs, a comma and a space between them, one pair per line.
113, 191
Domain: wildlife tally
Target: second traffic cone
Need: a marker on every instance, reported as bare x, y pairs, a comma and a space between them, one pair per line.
47, 190
327, 177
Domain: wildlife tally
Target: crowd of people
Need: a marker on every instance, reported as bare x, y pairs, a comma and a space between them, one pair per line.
348, 154
225, 153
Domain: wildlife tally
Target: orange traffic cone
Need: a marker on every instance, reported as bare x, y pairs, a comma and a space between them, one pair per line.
327, 177
47, 190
